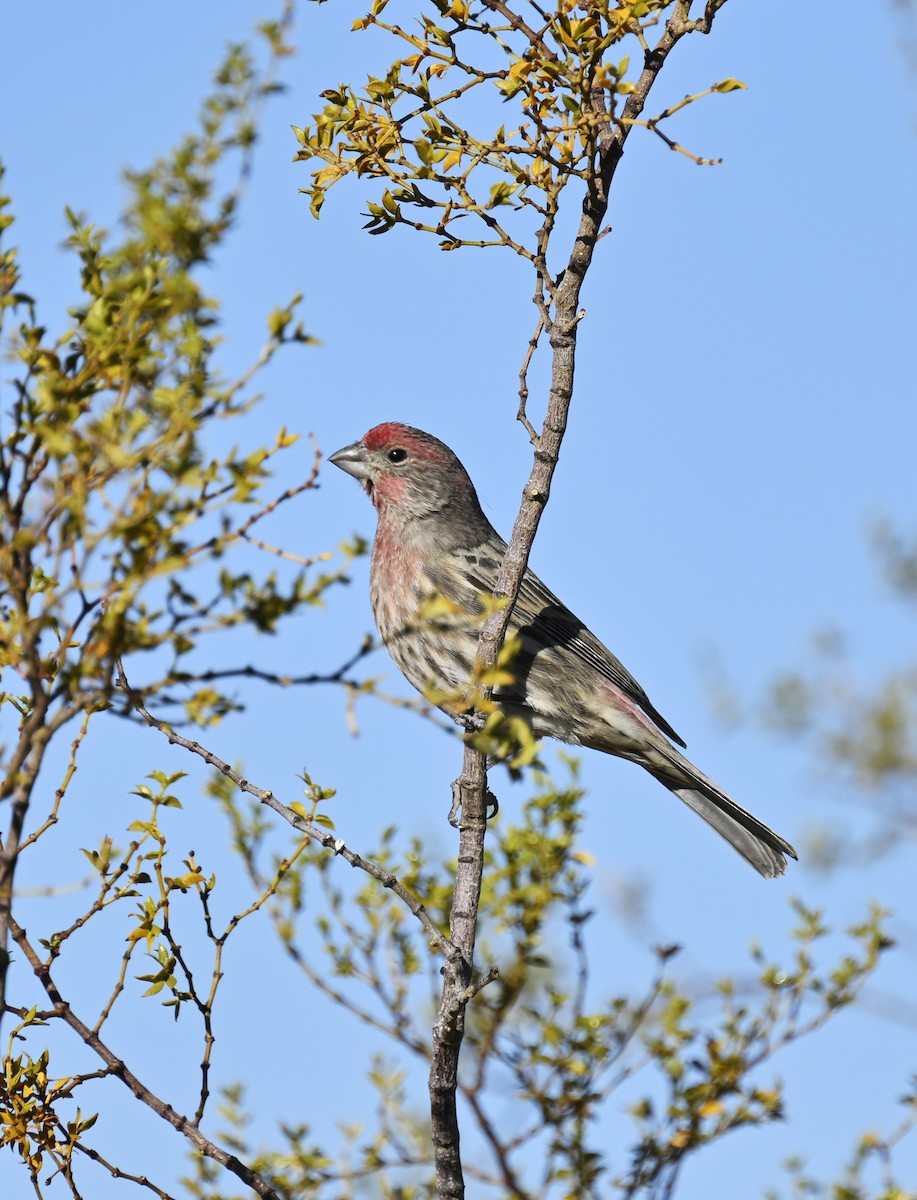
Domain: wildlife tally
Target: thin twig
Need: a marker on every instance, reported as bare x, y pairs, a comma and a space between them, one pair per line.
536, 41
117, 1173
324, 839
523, 383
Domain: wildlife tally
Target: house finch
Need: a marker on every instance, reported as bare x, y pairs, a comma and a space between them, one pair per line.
436, 553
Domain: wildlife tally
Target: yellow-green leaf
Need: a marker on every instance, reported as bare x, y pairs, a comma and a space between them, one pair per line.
729, 85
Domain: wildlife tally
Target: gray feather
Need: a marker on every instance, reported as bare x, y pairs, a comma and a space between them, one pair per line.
757, 844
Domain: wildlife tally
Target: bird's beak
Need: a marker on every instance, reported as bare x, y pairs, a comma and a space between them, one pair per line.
352, 459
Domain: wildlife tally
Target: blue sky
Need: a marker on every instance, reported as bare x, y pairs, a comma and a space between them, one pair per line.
745, 410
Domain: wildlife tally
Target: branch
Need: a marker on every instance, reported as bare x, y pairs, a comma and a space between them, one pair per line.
521, 415
563, 330
326, 840
117, 1173
471, 786
536, 41
470, 790
367, 646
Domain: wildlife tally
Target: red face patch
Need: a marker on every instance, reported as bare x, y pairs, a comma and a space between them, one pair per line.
392, 435
388, 487
384, 435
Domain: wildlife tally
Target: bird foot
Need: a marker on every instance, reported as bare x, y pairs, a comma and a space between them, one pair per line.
492, 805
470, 720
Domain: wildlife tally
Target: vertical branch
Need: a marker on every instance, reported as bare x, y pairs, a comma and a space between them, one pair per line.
562, 326
470, 788
21, 773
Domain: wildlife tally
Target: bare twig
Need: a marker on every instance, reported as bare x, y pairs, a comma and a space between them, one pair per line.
117, 1173
367, 646
395, 1030
536, 40
521, 415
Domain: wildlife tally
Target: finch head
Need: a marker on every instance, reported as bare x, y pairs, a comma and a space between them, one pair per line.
409, 474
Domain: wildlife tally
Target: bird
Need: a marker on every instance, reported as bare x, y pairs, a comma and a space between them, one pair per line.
436, 558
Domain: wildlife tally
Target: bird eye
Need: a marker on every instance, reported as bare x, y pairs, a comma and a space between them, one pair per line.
397, 455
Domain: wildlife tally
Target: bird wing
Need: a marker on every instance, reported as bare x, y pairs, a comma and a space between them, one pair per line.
541, 619
556, 625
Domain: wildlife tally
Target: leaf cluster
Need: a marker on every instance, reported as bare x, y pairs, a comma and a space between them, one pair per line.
493, 105
109, 491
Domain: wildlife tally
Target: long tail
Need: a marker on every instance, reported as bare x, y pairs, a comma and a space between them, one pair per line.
758, 845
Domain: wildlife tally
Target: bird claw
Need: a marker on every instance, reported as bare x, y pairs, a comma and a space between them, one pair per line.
456, 805
471, 721
491, 805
